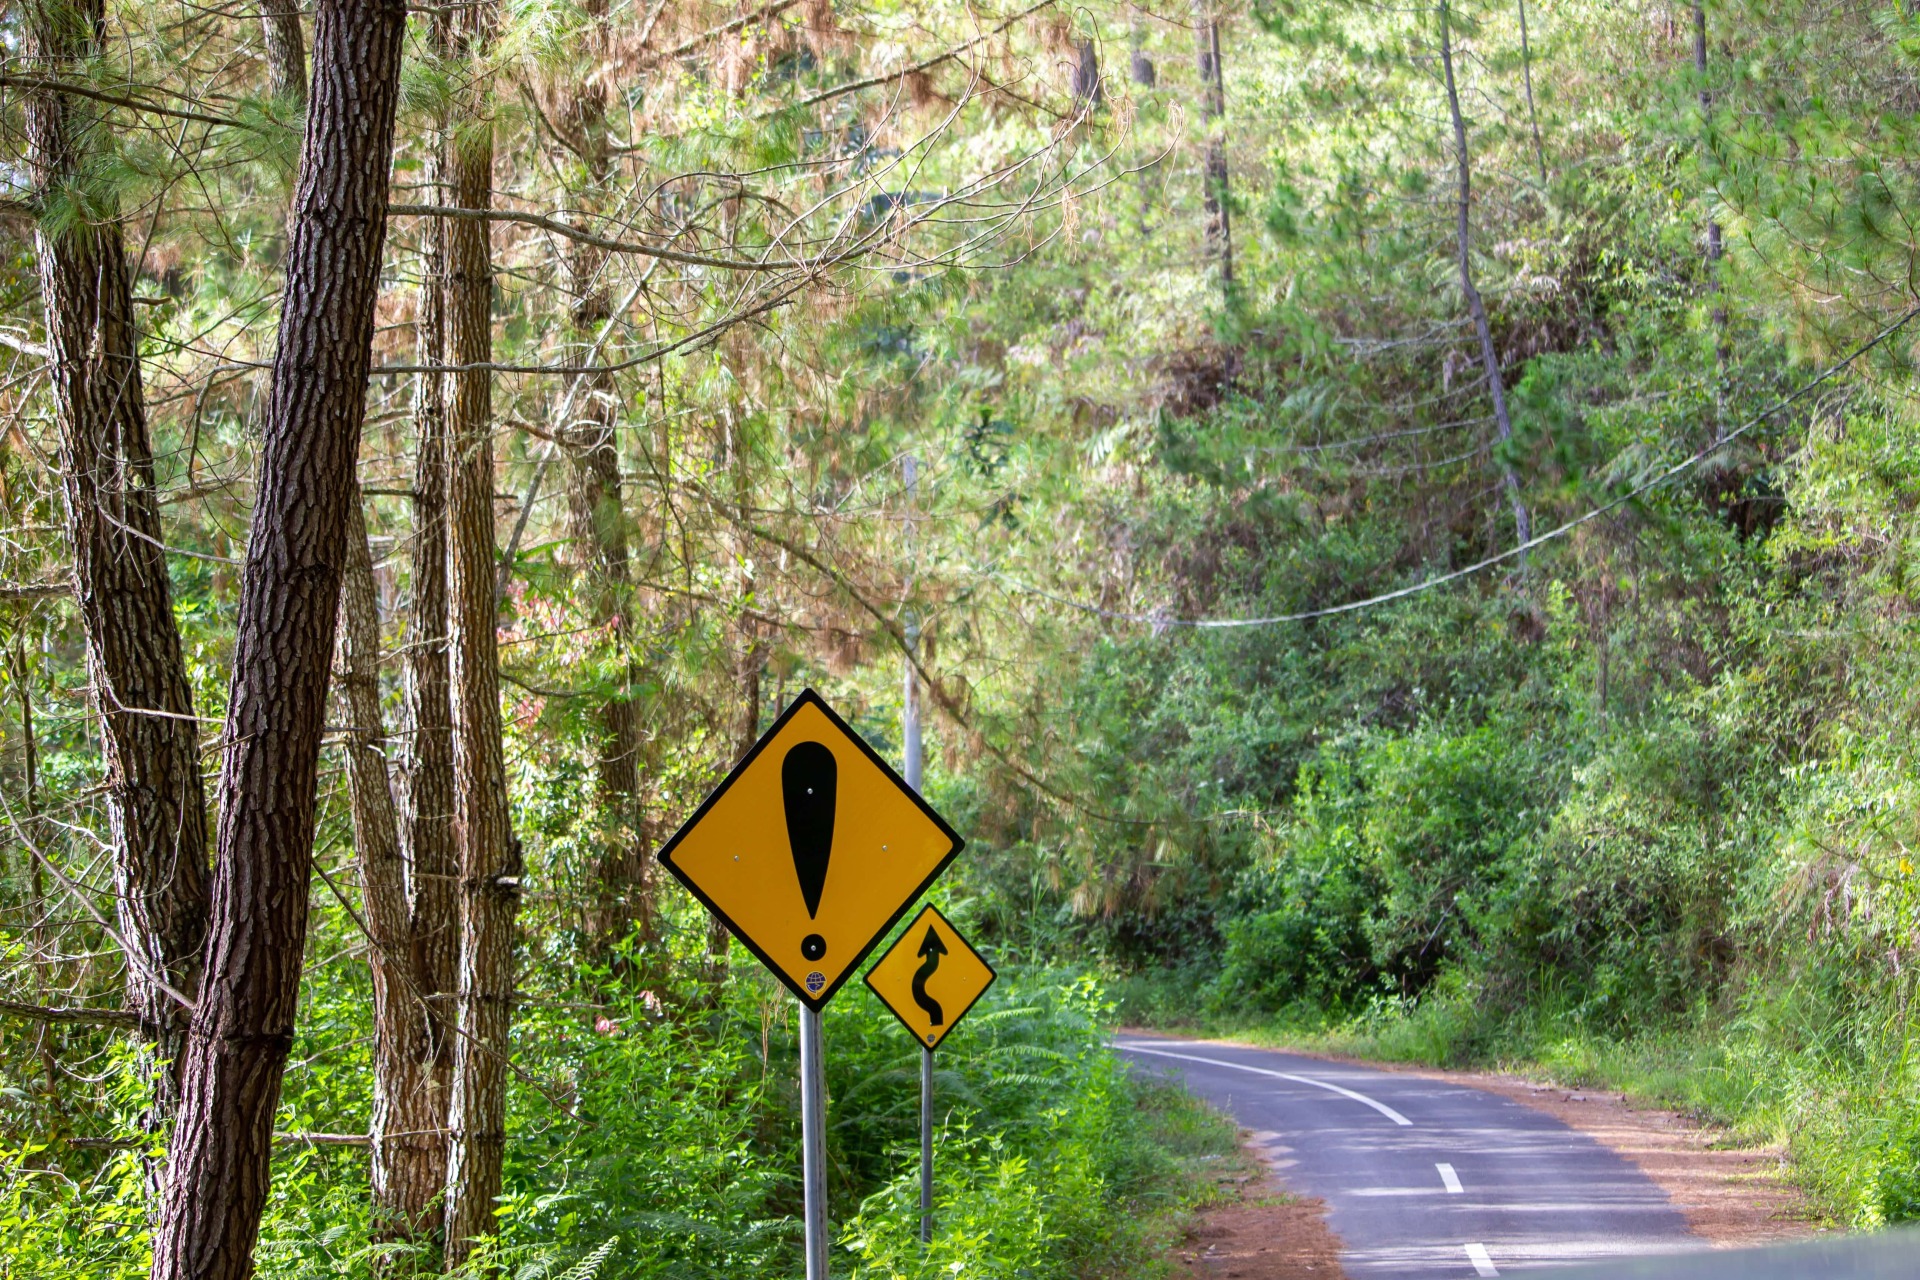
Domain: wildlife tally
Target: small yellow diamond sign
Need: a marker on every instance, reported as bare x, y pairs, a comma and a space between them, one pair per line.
811, 850
930, 978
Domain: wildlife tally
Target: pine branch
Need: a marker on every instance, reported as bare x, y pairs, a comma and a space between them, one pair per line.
70, 1015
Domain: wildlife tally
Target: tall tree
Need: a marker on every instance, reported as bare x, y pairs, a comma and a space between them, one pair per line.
1476, 307
1722, 351
483, 833
1087, 95
1213, 112
598, 515
1526, 77
219, 1160
286, 50
409, 1115
409, 1185
155, 803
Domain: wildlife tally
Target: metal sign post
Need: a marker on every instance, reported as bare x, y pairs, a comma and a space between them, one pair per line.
813, 1142
926, 1145
809, 852
930, 978
915, 766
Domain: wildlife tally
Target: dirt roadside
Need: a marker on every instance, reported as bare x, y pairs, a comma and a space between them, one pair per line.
1730, 1196
1263, 1233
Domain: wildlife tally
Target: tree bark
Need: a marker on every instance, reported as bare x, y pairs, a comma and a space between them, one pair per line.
748, 658
1722, 349
1526, 75
286, 50
156, 806
1087, 95
483, 834
218, 1163
1489, 358
1213, 110
409, 1117
1139, 65
624, 891
1141, 71
416, 1176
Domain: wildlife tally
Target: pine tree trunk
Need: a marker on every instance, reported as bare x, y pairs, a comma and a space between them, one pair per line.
1087, 95
1526, 74
407, 1155
748, 658
1723, 351
156, 805
483, 835
1141, 71
1213, 111
286, 50
411, 1184
218, 1162
1489, 358
596, 505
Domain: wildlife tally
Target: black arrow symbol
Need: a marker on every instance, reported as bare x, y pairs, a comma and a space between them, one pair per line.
808, 781
931, 949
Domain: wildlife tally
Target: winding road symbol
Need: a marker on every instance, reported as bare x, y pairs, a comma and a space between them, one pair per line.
931, 949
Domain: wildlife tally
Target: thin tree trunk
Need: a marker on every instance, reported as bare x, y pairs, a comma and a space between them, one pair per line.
1722, 349
624, 892
1526, 74
1489, 359
1139, 65
156, 806
40, 955
1141, 71
407, 1155
415, 1177
1087, 95
748, 659
286, 50
483, 834
1213, 111
218, 1162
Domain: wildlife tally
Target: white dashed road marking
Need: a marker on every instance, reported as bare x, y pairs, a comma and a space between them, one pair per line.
1482, 1264
1450, 1179
1381, 1107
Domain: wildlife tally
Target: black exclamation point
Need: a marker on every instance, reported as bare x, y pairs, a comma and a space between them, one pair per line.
808, 781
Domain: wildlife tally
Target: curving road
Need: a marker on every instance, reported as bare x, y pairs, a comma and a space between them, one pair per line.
1426, 1180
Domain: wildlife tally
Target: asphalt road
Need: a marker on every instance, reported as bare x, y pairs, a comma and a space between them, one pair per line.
1893, 1255
1426, 1180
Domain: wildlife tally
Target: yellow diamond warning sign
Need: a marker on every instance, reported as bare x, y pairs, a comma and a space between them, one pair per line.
930, 977
811, 849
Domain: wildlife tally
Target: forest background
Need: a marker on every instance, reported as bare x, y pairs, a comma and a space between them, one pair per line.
1399, 520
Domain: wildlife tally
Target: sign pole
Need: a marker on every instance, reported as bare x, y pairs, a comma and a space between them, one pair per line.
910, 711
910, 702
929, 978
926, 1145
915, 767
813, 1142
810, 851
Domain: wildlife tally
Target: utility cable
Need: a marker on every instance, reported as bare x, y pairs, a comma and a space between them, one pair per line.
1160, 622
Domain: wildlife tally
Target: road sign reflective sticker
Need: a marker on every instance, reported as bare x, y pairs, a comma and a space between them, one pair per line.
930, 978
811, 849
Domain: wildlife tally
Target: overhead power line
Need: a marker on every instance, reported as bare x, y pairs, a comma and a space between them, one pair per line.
1161, 621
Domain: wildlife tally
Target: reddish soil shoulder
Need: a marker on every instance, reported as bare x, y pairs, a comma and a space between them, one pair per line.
1263, 1234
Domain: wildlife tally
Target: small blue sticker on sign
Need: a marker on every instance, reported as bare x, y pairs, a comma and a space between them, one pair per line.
815, 981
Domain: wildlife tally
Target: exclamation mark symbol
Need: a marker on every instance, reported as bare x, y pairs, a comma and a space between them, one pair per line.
809, 779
